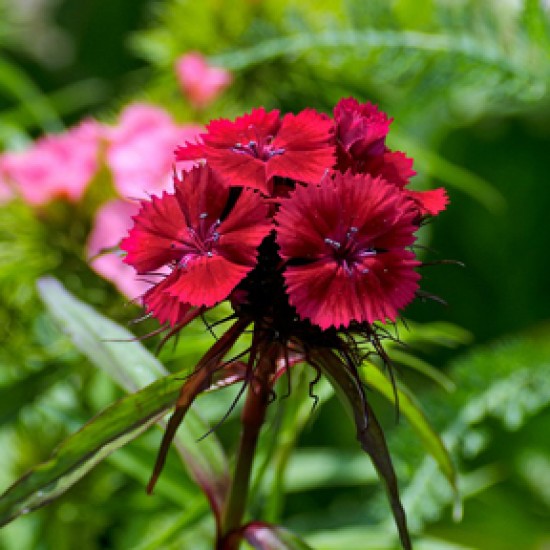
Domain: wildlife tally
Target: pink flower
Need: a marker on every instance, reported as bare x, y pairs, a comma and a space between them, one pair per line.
259, 146
112, 221
200, 82
208, 249
345, 243
140, 153
55, 166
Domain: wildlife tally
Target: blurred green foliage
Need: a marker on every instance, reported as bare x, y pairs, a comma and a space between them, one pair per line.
467, 84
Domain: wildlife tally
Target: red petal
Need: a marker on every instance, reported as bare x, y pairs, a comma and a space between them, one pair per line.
164, 307
190, 151
327, 295
201, 197
208, 257
156, 226
253, 126
393, 166
430, 202
207, 280
239, 169
306, 139
244, 229
361, 129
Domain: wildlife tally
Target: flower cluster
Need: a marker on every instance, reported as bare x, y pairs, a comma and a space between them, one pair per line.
305, 223
305, 211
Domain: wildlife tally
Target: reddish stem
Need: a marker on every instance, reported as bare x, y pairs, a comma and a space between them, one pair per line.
253, 416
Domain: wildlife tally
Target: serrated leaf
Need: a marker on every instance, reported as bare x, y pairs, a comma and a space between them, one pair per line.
493, 381
373, 377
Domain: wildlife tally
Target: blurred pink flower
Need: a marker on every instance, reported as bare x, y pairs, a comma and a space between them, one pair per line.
60, 165
141, 150
200, 82
111, 224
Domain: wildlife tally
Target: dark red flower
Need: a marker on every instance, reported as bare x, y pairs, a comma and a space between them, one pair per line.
208, 251
254, 148
345, 245
361, 131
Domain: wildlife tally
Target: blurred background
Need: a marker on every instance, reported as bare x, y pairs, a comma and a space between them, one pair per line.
466, 82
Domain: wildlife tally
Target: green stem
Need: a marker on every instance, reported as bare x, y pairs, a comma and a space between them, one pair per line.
253, 416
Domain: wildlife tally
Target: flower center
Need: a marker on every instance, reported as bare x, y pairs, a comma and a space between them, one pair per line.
260, 148
196, 242
350, 254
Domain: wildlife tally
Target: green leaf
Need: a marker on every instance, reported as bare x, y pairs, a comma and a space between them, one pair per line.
26, 390
507, 381
293, 414
75, 97
18, 84
117, 425
173, 486
314, 468
419, 335
369, 433
364, 40
115, 350
106, 344
353, 538
373, 377
359, 538
422, 367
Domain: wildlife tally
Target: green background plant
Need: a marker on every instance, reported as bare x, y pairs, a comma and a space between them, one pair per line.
467, 84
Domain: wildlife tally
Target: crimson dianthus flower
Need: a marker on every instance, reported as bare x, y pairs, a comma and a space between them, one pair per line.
345, 243
306, 225
259, 146
208, 243
361, 131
